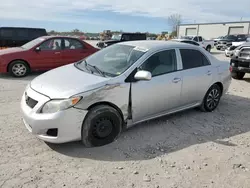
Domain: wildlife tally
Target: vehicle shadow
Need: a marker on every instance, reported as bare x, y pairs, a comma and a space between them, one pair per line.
247, 79
29, 77
170, 133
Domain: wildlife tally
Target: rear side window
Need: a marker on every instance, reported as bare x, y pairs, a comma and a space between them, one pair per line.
72, 44
193, 58
200, 39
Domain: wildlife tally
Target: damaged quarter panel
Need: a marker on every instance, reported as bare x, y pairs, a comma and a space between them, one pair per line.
115, 94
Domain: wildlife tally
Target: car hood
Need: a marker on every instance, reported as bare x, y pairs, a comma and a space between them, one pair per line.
66, 81
11, 50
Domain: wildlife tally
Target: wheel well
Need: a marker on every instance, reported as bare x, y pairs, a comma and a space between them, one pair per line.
17, 60
220, 85
209, 46
108, 104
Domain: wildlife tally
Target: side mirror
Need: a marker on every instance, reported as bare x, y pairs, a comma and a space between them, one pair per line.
143, 75
37, 49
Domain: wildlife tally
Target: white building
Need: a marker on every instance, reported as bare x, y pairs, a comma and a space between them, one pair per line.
214, 30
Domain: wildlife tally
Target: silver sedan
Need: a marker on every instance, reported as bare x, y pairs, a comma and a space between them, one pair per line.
94, 99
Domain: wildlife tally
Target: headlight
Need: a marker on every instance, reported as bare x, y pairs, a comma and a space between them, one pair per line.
236, 52
59, 105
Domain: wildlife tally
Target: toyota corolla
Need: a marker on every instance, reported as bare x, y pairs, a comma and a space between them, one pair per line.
96, 98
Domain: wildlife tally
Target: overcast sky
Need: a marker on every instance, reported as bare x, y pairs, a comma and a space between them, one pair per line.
127, 15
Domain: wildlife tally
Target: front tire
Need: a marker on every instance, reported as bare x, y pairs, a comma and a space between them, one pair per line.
238, 75
211, 99
18, 68
103, 124
208, 48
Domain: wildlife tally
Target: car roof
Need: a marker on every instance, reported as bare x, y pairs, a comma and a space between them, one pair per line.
53, 36
154, 45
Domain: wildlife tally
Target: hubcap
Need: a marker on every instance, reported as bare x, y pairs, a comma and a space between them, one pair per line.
213, 98
103, 128
19, 69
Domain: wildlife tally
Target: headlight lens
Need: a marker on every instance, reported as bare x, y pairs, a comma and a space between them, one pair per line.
59, 105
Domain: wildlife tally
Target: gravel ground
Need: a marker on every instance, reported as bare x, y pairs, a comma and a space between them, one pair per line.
190, 149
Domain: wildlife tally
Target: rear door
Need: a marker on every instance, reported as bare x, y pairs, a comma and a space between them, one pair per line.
49, 56
197, 76
74, 50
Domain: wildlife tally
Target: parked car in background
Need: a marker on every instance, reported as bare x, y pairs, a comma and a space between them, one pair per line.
230, 50
187, 42
227, 41
120, 86
18, 36
240, 61
208, 44
43, 53
216, 40
122, 38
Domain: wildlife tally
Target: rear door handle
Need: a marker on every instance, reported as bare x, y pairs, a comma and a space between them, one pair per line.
57, 52
209, 72
176, 80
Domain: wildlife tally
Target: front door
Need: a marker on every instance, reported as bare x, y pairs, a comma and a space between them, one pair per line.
49, 56
197, 76
162, 92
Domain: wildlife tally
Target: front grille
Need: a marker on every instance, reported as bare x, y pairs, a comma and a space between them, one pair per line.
244, 53
30, 102
243, 64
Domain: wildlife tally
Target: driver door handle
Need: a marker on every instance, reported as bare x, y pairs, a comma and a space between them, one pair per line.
176, 80
209, 73
57, 52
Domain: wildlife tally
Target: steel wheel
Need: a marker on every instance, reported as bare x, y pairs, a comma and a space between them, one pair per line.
102, 125
102, 128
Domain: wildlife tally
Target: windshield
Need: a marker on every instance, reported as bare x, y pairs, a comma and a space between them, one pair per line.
231, 37
116, 37
113, 60
32, 43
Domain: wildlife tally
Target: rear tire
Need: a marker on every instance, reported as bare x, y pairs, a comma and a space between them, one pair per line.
238, 75
211, 99
18, 68
102, 125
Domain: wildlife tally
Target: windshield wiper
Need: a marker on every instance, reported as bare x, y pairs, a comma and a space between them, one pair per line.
96, 68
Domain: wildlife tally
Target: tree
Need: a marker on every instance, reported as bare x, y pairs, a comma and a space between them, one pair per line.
174, 20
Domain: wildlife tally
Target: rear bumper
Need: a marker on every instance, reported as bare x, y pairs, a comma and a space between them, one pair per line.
241, 69
240, 65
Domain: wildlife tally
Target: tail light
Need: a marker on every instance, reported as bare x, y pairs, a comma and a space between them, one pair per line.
230, 68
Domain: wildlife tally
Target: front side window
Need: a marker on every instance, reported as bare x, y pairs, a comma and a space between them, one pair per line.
72, 44
200, 39
160, 63
113, 60
193, 58
52, 44
195, 39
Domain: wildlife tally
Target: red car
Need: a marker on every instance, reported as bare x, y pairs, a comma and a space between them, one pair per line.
43, 53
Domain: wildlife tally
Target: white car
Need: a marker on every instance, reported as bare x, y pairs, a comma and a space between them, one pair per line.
207, 44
